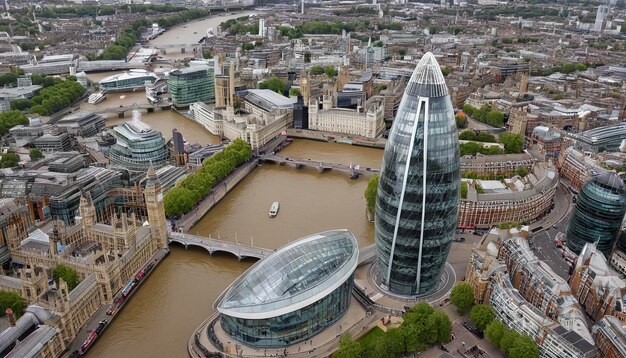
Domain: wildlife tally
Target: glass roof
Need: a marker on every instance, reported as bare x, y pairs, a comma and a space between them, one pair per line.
293, 277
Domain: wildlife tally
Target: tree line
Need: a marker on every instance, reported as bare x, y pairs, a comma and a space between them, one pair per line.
422, 328
132, 33
485, 114
188, 192
54, 98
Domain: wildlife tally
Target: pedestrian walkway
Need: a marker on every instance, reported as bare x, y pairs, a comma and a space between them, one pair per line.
355, 320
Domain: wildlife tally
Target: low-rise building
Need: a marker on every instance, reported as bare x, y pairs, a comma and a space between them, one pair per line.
610, 335
547, 141
82, 123
598, 288
575, 168
207, 117
496, 164
366, 121
517, 200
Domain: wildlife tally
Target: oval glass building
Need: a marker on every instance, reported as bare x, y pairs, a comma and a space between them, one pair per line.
418, 192
294, 293
600, 208
136, 146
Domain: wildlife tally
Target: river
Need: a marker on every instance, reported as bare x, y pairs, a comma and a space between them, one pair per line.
179, 295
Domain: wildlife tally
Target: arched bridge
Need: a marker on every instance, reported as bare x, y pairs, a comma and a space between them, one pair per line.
212, 245
353, 169
121, 110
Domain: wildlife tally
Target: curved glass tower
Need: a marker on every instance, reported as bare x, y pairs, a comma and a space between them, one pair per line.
598, 215
418, 192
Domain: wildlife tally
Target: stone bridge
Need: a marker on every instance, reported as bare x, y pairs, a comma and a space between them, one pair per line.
213, 245
354, 170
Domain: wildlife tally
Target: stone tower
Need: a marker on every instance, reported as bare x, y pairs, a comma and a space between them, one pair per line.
87, 210
156, 210
342, 78
305, 88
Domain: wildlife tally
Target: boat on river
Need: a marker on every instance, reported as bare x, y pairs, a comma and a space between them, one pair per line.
96, 98
274, 209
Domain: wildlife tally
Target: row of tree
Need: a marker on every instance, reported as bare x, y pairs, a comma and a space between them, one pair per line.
472, 148
510, 342
478, 137
485, 114
10, 119
275, 84
330, 71
182, 198
370, 193
55, 98
422, 327
132, 33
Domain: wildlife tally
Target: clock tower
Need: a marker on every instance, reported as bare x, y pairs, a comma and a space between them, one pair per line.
156, 210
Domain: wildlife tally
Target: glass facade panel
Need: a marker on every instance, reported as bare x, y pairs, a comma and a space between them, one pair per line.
193, 84
292, 327
418, 193
598, 214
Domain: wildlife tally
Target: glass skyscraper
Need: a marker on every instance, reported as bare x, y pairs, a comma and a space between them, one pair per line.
418, 192
191, 84
600, 208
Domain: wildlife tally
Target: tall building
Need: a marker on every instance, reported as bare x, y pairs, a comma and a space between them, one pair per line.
598, 215
418, 192
137, 145
191, 84
603, 12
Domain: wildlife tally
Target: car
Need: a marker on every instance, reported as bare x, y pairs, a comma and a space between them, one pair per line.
555, 226
112, 310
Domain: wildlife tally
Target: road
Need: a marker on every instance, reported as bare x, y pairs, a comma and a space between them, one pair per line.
542, 240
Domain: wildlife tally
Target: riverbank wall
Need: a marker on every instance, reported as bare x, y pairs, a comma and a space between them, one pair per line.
336, 137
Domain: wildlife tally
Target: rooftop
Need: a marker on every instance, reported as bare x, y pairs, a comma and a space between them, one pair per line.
293, 277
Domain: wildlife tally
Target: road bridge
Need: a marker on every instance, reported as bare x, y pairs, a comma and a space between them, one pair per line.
354, 170
121, 110
213, 245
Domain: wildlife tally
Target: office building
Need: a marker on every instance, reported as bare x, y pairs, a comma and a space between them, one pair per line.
137, 145
364, 121
598, 215
293, 294
191, 84
418, 193
82, 123
601, 139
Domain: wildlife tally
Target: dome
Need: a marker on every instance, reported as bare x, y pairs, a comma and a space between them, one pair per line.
293, 277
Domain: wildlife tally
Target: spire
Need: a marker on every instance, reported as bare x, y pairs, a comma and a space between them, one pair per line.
427, 79
151, 175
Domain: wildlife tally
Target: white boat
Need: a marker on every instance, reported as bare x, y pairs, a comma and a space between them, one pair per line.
274, 209
96, 98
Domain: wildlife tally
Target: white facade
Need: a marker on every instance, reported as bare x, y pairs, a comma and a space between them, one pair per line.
206, 117
618, 261
602, 13
361, 122
254, 132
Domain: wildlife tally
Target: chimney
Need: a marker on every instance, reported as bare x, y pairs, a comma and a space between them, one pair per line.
10, 316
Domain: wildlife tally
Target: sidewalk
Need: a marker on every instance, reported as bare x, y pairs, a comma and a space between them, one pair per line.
321, 345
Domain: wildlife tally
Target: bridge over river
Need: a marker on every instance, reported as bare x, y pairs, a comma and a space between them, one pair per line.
366, 254
354, 170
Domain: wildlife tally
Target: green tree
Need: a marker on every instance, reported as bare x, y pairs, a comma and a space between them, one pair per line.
464, 190
568, 68
468, 109
178, 200
445, 70
247, 46
513, 142
495, 331
12, 300
524, 347
581, 67
461, 121
394, 341
9, 160
482, 316
206, 54
521, 171
370, 193
495, 119
438, 328
462, 296
35, 154
294, 92
317, 70
348, 348
275, 84
402, 52
10, 119
330, 71
508, 341
21, 104
68, 275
